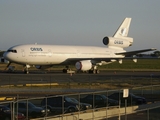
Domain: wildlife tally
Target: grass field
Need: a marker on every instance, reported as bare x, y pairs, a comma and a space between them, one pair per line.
142, 64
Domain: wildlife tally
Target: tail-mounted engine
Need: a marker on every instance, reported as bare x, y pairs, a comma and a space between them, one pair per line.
118, 42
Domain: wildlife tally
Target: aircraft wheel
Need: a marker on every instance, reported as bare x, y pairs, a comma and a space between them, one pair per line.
90, 71
94, 71
64, 70
97, 71
26, 72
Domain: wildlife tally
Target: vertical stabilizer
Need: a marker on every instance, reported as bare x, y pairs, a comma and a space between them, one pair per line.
120, 39
123, 29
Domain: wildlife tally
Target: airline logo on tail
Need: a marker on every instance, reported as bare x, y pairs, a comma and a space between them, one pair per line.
123, 31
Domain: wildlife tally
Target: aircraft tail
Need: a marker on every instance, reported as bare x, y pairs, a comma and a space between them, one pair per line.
120, 39
123, 29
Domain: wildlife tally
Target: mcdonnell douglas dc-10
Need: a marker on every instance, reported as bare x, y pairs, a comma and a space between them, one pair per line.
85, 58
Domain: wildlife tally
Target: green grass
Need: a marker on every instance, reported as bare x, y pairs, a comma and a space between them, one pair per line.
142, 64
129, 64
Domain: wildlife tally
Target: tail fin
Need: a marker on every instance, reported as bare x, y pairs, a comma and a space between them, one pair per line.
123, 29
120, 39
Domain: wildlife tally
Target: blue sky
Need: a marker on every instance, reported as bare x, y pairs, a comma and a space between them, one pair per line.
77, 22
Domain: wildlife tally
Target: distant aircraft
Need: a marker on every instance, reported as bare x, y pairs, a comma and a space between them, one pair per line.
85, 58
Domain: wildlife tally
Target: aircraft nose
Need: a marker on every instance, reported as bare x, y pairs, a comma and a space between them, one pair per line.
6, 56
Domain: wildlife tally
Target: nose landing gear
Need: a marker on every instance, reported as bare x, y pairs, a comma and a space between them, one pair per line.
26, 71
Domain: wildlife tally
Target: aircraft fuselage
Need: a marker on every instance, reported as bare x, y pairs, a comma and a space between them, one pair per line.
34, 54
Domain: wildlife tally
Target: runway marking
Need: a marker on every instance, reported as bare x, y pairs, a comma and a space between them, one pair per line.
30, 85
7, 98
43, 84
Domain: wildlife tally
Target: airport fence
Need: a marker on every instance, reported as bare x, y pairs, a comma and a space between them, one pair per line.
142, 103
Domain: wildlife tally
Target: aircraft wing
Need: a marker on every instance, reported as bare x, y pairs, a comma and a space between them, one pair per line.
134, 52
127, 55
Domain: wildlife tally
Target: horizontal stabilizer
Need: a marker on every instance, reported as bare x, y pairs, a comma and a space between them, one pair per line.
134, 52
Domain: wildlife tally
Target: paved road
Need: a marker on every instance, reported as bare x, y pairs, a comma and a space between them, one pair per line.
57, 77
83, 82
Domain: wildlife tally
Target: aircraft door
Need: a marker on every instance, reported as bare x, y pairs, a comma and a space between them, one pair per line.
23, 53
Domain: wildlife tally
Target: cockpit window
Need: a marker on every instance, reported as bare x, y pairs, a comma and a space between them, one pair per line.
14, 51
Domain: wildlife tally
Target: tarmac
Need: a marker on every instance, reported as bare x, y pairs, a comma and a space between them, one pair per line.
40, 83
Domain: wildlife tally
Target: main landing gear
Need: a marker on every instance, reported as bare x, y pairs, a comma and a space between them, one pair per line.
94, 70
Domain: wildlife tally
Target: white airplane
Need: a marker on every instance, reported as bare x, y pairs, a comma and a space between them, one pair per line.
85, 58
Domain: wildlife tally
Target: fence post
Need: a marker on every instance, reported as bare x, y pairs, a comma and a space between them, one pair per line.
107, 106
147, 114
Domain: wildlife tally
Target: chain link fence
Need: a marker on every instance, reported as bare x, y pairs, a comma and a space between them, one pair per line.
142, 103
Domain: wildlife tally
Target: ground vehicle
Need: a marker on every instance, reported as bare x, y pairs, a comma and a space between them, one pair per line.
98, 100
30, 110
61, 104
5, 114
83, 106
131, 99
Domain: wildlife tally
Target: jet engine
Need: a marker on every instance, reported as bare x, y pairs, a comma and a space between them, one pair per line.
83, 65
118, 42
